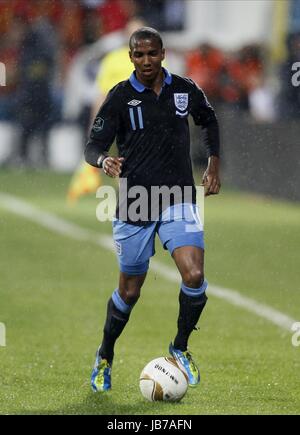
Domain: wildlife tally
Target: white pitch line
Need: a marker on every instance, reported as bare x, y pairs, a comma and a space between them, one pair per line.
61, 226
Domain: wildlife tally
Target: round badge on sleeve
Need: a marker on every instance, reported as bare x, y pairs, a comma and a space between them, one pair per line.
98, 124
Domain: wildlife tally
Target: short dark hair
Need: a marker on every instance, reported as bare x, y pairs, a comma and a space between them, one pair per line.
145, 33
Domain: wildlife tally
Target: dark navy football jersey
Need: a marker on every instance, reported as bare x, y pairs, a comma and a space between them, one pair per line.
152, 131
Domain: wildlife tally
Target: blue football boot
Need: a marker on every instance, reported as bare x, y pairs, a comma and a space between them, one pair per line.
101, 375
186, 361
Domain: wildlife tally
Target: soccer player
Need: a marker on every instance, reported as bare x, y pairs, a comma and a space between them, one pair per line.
148, 116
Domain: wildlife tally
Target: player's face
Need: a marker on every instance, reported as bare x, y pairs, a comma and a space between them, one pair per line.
147, 56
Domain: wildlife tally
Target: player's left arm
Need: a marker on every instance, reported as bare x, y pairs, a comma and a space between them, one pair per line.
204, 115
211, 178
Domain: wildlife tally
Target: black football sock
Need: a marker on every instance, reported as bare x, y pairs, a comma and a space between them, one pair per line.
116, 321
190, 309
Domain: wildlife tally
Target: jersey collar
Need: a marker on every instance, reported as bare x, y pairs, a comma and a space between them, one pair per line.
138, 86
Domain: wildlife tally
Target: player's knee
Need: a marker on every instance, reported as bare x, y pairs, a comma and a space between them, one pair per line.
194, 278
132, 295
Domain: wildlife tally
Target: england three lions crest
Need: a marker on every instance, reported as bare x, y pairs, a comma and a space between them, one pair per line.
181, 103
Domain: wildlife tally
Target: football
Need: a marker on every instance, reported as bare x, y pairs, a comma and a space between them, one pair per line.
163, 379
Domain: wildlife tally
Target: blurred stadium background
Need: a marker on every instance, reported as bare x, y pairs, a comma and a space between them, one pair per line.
56, 265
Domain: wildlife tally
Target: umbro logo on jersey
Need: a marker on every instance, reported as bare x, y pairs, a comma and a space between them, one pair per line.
134, 103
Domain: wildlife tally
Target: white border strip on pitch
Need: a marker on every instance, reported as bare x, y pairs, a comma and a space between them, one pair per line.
66, 228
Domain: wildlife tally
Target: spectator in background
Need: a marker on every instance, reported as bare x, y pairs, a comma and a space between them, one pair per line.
240, 75
34, 101
205, 66
226, 78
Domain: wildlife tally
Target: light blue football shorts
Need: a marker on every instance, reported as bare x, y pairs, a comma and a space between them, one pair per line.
179, 225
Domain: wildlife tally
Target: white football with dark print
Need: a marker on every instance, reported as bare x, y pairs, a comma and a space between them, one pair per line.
163, 379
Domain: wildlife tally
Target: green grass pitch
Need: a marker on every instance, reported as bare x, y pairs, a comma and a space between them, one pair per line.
53, 294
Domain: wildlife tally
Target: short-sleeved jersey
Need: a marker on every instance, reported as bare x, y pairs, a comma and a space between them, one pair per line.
152, 131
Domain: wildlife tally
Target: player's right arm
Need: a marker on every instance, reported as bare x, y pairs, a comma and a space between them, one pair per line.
102, 135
